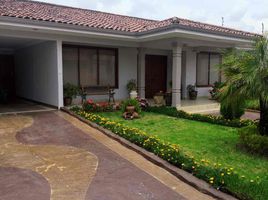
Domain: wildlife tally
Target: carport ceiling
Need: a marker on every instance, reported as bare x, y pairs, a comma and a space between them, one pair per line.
10, 43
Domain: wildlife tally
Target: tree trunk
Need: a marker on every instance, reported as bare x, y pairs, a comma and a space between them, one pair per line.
263, 125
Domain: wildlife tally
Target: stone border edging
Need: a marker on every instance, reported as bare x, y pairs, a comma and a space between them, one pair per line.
186, 177
252, 110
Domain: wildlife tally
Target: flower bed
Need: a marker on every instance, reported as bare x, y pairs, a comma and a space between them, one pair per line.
218, 176
173, 112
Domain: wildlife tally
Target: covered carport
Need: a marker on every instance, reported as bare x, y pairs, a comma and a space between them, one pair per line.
29, 75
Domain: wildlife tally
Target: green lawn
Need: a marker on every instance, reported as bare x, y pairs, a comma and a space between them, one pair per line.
202, 140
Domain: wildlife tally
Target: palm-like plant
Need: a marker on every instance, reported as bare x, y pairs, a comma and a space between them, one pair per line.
246, 74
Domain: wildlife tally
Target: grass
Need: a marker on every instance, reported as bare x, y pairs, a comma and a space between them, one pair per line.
253, 104
202, 140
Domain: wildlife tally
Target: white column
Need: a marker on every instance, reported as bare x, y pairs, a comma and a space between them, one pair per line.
141, 72
60, 74
176, 76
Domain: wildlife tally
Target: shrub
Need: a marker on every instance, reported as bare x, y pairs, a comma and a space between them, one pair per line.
220, 177
131, 102
232, 111
70, 90
252, 141
144, 104
173, 112
90, 106
131, 85
215, 91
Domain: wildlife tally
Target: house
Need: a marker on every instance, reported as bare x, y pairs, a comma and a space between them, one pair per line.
43, 46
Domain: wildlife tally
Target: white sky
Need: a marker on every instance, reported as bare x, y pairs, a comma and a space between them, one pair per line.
246, 15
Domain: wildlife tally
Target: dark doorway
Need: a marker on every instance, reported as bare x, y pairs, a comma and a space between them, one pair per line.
155, 74
7, 76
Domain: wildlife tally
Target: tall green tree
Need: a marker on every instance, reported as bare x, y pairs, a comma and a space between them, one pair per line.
246, 74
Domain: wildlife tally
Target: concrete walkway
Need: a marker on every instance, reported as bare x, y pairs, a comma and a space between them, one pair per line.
52, 155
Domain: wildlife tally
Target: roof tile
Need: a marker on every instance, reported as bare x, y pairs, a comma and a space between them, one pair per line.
62, 14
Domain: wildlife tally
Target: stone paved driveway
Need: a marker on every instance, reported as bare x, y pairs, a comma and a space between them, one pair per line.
51, 155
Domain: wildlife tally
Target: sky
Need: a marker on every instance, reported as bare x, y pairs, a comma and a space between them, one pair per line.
246, 15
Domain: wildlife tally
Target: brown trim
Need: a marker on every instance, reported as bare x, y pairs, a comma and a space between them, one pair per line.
98, 64
116, 69
78, 66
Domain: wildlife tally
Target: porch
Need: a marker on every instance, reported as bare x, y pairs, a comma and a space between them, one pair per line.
202, 105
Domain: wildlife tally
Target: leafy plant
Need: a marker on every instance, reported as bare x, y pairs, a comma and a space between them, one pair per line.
131, 85
252, 141
246, 74
70, 90
191, 88
144, 104
131, 102
232, 109
215, 91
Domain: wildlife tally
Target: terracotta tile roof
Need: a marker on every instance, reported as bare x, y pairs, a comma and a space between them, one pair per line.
40, 11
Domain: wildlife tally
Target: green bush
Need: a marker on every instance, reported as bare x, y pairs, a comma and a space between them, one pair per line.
171, 111
232, 111
218, 176
252, 141
131, 102
70, 90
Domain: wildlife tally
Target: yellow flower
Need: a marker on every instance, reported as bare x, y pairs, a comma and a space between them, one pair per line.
222, 174
211, 182
212, 178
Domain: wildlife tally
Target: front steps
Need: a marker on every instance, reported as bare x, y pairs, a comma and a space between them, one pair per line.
208, 108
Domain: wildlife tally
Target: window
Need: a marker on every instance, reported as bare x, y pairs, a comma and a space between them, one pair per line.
207, 72
90, 67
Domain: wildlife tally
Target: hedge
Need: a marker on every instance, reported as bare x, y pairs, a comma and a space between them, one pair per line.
220, 177
252, 141
173, 112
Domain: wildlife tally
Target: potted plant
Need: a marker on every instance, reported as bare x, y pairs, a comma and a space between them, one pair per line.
131, 108
69, 91
192, 92
132, 88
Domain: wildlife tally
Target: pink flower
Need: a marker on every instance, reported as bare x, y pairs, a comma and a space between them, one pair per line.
90, 101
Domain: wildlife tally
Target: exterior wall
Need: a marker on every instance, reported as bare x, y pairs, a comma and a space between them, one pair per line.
127, 69
36, 73
191, 75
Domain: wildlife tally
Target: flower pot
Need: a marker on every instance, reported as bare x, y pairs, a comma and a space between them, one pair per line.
193, 95
130, 109
67, 101
133, 94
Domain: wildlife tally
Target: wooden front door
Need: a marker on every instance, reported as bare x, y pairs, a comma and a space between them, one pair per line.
155, 74
7, 75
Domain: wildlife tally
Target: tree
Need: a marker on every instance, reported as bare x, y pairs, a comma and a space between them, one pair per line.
246, 74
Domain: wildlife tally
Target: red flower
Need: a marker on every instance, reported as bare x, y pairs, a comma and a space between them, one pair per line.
90, 101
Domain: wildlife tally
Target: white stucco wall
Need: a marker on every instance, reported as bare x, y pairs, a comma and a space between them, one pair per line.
36, 73
191, 74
